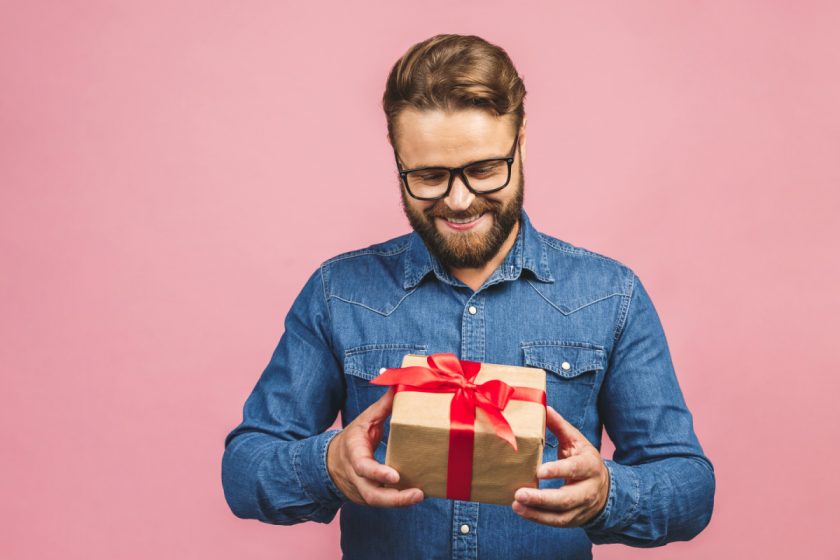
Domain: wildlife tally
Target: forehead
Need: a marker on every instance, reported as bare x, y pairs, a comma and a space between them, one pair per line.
451, 138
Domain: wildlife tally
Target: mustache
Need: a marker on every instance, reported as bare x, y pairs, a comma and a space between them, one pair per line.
461, 215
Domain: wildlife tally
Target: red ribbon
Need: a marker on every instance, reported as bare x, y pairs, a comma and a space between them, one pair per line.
447, 374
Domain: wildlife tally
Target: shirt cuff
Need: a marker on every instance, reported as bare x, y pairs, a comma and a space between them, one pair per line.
311, 468
622, 501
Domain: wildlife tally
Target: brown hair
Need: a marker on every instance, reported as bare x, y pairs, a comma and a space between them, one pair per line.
454, 72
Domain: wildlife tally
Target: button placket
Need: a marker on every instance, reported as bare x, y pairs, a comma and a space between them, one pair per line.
465, 519
464, 529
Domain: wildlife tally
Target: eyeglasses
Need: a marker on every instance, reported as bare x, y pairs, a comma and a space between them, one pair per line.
480, 177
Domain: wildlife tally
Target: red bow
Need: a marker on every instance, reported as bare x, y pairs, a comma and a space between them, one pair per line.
447, 374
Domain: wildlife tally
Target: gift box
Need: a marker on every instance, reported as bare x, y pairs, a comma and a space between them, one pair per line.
465, 430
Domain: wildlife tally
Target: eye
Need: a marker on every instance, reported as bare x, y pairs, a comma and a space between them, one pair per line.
485, 169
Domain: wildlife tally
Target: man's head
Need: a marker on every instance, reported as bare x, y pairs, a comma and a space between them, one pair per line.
452, 100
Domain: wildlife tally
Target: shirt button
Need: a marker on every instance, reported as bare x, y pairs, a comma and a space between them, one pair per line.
465, 529
566, 366
382, 370
472, 311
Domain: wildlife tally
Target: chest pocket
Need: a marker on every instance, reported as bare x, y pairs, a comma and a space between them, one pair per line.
363, 363
571, 369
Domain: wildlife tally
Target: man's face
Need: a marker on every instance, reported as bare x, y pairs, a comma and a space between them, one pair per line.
452, 139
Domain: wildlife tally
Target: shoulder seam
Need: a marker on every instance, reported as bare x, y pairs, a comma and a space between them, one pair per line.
573, 250
324, 291
368, 251
624, 311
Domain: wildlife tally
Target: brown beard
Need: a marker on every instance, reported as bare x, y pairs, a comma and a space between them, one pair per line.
468, 249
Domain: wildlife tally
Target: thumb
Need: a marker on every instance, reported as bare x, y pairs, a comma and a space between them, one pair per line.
379, 411
567, 435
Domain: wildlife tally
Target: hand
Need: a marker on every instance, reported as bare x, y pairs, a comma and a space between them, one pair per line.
583, 496
353, 468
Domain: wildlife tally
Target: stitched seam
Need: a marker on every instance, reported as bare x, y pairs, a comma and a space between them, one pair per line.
552, 304
328, 482
624, 310
595, 301
586, 407
565, 343
383, 313
296, 463
553, 367
351, 367
580, 251
382, 346
558, 370
361, 252
637, 495
327, 305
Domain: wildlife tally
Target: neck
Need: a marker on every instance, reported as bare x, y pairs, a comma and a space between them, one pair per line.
475, 277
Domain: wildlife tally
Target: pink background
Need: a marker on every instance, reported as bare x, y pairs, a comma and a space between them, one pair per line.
163, 197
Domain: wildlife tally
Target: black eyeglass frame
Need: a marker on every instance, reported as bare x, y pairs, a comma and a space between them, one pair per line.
459, 171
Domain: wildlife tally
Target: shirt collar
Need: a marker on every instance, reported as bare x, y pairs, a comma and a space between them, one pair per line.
529, 252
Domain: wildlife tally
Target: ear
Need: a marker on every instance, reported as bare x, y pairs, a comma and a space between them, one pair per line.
522, 137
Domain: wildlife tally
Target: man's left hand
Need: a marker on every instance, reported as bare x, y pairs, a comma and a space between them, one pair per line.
587, 486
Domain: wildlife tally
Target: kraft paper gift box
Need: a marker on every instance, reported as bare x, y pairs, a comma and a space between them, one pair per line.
429, 441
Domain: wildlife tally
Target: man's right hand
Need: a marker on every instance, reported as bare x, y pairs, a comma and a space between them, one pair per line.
354, 470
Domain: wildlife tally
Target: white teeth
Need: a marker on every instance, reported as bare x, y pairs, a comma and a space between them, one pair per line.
465, 221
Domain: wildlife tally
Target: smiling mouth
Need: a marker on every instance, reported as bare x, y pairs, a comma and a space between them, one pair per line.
464, 220
464, 224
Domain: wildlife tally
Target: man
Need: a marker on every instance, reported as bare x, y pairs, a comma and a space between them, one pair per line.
477, 279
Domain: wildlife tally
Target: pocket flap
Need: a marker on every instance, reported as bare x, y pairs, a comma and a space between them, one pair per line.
367, 361
566, 359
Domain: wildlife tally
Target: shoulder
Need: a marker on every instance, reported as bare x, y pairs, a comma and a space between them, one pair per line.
583, 259
384, 254
371, 276
583, 276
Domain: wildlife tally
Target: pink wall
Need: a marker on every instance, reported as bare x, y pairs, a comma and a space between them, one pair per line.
162, 202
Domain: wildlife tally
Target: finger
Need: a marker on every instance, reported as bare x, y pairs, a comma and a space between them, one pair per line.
575, 467
566, 433
380, 409
387, 497
364, 465
555, 519
562, 499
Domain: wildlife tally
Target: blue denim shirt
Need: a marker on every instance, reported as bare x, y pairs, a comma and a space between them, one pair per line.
584, 318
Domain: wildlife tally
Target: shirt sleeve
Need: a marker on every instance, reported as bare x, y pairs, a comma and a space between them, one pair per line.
274, 463
661, 484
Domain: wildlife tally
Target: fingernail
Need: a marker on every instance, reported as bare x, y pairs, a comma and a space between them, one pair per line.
517, 507
522, 495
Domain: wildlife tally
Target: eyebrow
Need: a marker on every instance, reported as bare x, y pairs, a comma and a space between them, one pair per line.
462, 165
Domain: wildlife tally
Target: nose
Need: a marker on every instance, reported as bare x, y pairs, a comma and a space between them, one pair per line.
459, 198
